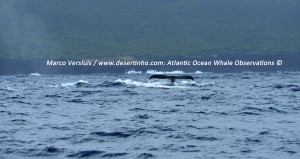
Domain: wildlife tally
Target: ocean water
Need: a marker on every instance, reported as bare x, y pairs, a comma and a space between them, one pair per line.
219, 115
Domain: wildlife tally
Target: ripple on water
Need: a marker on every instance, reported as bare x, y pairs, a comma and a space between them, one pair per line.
145, 156
96, 153
87, 153
50, 151
125, 134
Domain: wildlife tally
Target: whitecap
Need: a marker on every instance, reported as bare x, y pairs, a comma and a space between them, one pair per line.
198, 72
162, 83
35, 74
193, 83
7, 89
172, 72
73, 84
134, 72
167, 72
159, 84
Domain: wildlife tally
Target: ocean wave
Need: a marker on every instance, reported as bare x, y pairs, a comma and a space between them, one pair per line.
96, 153
49, 151
113, 134
79, 83
145, 156
112, 84
114, 155
162, 83
296, 89
172, 72
279, 86
257, 111
35, 74
161, 72
193, 137
87, 153
7, 89
122, 134
198, 72
134, 72
293, 87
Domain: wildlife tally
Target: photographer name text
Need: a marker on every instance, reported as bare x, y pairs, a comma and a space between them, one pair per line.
165, 63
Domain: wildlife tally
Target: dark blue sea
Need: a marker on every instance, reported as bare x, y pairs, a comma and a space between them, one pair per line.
128, 116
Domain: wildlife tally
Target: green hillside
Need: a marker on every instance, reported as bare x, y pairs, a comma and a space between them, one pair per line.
97, 28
